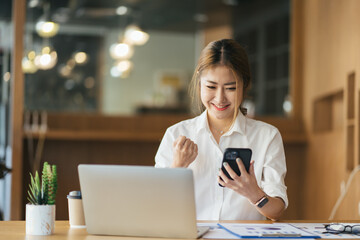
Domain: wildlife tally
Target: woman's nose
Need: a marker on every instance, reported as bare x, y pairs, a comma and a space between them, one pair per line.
220, 95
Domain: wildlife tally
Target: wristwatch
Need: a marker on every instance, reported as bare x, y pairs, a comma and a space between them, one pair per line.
264, 200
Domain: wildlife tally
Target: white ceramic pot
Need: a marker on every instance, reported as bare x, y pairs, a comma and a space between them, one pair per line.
40, 219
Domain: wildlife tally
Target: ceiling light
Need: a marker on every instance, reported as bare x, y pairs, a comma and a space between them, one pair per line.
80, 58
121, 69
114, 71
33, 3
31, 55
65, 70
47, 59
124, 65
134, 35
287, 105
122, 10
28, 64
47, 29
121, 51
45, 50
7, 76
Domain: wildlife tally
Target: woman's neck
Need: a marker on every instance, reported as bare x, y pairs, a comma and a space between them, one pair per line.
219, 126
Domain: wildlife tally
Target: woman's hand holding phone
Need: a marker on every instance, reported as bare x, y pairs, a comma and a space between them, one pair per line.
245, 184
184, 152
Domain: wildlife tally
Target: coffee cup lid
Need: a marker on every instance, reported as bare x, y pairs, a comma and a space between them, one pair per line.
74, 195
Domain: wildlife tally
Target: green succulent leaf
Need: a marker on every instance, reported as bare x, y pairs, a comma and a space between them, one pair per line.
43, 191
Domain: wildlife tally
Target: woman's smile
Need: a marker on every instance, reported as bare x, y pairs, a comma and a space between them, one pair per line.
220, 107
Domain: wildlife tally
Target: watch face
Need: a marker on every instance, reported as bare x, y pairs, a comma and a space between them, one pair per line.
263, 202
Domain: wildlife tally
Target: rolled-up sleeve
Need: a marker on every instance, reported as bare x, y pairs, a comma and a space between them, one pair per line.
164, 155
274, 170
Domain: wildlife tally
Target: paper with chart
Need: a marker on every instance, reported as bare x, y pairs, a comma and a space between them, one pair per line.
241, 230
267, 230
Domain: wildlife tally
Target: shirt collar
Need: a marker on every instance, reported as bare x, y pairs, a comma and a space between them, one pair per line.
238, 126
203, 123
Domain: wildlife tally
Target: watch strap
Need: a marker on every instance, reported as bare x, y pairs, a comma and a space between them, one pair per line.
264, 200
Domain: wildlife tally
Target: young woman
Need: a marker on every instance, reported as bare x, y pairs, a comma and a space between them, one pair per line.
219, 84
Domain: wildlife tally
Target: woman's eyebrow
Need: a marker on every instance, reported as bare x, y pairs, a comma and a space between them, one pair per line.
229, 83
212, 82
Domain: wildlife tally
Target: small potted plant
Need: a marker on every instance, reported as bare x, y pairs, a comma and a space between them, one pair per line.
40, 212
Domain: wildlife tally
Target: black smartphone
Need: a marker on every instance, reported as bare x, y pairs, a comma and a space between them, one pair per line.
230, 156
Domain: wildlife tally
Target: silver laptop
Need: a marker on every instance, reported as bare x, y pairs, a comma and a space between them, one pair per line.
139, 201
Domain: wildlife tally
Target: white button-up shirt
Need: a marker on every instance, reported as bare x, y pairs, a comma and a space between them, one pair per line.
212, 201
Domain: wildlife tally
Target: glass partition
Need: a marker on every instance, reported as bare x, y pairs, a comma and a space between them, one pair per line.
131, 57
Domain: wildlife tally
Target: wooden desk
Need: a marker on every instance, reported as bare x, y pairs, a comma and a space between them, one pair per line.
13, 230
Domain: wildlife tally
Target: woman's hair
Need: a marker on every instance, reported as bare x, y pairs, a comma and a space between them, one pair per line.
224, 52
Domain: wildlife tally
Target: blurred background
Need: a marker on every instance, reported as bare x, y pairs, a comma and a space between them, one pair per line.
128, 57
87, 81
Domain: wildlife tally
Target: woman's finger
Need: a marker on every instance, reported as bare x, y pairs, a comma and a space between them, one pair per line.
194, 148
180, 141
184, 141
179, 138
224, 177
193, 151
221, 182
230, 171
188, 144
241, 166
252, 171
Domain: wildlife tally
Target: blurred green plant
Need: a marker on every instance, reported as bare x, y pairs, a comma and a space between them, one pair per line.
43, 192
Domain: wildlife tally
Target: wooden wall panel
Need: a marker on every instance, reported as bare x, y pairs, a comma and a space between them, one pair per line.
331, 53
295, 156
17, 106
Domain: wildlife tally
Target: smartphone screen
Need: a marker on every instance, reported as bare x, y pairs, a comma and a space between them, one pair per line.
230, 156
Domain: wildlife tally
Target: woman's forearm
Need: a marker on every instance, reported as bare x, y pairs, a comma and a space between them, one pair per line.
273, 208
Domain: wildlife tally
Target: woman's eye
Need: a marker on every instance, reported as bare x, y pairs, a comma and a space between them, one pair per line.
211, 87
232, 88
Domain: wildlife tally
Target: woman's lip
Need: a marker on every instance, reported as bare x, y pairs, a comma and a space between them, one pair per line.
221, 109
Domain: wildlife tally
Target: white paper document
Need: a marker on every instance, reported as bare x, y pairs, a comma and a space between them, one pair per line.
248, 230
274, 230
